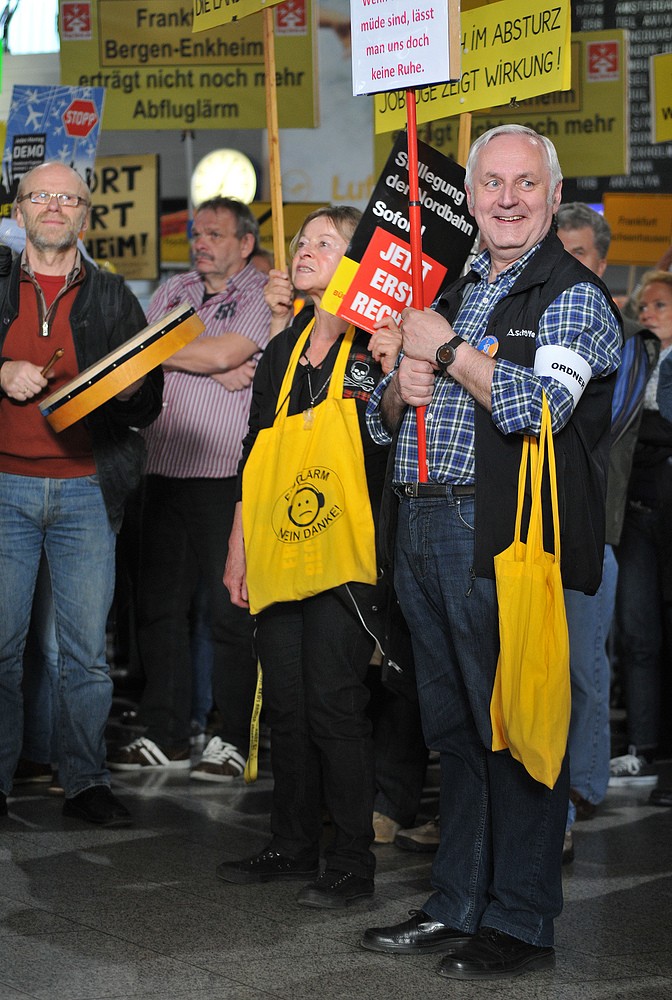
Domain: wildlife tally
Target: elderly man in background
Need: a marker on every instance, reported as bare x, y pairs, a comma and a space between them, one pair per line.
63, 493
525, 321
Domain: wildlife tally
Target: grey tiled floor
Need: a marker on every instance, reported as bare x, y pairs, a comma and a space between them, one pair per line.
138, 914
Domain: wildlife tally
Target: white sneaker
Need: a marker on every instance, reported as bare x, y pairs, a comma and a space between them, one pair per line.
144, 754
631, 769
220, 762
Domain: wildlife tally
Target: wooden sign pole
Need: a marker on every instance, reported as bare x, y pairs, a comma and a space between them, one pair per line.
273, 141
464, 139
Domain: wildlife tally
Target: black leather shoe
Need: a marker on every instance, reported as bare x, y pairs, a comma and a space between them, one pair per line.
334, 889
98, 805
492, 954
419, 935
661, 797
269, 866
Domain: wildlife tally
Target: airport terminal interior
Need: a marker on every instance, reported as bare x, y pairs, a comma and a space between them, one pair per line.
139, 914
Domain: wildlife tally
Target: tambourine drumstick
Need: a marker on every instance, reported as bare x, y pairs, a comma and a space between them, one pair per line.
58, 353
123, 366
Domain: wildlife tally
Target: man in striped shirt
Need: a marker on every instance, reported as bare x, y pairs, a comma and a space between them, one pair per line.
193, 452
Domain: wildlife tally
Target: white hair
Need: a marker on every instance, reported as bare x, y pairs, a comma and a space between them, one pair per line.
512, 129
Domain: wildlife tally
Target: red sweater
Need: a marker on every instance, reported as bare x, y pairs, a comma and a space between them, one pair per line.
28, 444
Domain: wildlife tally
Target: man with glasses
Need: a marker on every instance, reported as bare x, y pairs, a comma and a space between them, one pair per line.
193, 453
63, 493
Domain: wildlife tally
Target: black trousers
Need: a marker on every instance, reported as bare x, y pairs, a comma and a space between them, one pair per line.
185, 532
314, 654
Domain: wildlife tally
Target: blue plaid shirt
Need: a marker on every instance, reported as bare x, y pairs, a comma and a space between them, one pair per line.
579, 319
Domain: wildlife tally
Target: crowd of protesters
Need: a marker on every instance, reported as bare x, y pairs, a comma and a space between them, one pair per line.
412, 578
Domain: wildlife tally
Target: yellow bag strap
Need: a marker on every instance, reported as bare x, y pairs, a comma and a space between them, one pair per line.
546, 420
522, 475
251, 764
337, 376
535, 539
286, 386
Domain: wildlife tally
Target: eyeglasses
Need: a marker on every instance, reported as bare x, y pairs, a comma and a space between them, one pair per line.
44, 197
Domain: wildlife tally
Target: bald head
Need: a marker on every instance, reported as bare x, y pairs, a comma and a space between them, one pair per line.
36, 180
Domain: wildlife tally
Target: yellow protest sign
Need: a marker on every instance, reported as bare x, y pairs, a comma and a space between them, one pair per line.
158, 75
641, 227
514, 49
587, 123
210, 13
661, 97
123, 222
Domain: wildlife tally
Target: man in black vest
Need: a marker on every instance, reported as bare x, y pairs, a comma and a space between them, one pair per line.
527, 320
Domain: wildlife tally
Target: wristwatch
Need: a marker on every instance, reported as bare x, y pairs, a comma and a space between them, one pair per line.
446, 353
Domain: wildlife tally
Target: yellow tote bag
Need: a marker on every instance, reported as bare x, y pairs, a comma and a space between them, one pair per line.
307, 519
531, 698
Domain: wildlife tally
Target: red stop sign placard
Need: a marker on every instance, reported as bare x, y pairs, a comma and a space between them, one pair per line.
80, 117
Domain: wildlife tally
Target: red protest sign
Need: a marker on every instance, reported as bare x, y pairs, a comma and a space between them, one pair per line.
79, 118
382, 284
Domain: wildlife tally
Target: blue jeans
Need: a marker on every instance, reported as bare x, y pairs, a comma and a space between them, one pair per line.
66, 518
589, 744
40, 676
499, 861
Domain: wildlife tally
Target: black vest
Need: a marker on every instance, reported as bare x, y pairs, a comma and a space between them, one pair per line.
581, 447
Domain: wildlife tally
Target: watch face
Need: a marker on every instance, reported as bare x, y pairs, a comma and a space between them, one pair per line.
445, 354
225, 172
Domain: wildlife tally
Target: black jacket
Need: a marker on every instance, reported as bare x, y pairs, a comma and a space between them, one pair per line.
104, 314
581, 447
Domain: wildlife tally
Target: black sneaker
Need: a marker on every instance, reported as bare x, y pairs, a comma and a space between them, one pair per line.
334, 889
269, 866
98, 805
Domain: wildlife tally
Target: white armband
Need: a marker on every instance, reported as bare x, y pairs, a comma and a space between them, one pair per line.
565, 366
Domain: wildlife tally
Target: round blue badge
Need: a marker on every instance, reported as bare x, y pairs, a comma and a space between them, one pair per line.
489, 345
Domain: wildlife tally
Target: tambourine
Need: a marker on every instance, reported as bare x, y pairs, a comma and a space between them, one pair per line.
121, 367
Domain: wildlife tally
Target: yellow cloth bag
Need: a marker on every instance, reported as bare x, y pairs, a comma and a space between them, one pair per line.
531, 698
307, 519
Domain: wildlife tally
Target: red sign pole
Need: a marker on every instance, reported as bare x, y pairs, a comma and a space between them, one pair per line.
416, 257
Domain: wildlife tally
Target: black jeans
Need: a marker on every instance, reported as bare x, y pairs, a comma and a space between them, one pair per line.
185, 532
315, 655
401, 754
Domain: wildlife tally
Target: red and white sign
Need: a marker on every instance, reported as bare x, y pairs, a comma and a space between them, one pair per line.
79, 118
290, 18
396, 45
382, 285
76, 21
602, 61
